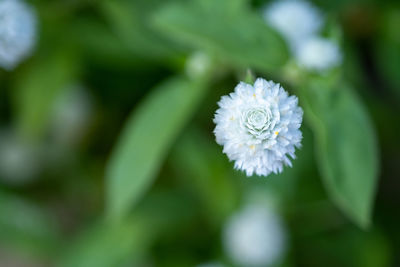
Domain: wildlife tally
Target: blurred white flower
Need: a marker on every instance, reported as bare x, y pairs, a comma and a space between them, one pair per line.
296, 20
299, 23
318, 54
255, 236
20, 160
17, 32
259, 127
197, 64
71, 115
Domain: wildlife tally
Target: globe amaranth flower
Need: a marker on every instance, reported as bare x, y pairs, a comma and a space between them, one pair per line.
318, 54
71, 115
197, 64
296, 20
258, 127
255, 236
299, 22
17, 32
20, 160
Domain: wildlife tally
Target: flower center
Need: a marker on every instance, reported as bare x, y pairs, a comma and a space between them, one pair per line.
257, 120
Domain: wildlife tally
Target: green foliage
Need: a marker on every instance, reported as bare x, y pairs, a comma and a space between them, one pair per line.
105, 245
27, 226
128, 21
124, 243
37, 87
346, 147
90, 33
227, 30
213, 184
160, 193
145, 140
388, 47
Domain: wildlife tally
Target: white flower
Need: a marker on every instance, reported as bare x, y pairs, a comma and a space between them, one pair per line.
296, 20
197, 64
20, 160
318, 54
299, 23
259, 127
71, 115
17, 32
254, 236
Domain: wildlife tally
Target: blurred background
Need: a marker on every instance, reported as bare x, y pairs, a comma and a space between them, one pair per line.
107, 151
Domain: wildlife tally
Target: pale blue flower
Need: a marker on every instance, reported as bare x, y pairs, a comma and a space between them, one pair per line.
71, 115
295, 20
20, 160
198, 64
318, 54
300, 22
255, 236
17, 32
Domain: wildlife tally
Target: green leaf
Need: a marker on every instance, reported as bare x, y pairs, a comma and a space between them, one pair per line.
229, 31
102, 44
105, 245
37, 87
387, 50
145, 140
346, 148
126, 242
27, 227
129, 22
211, 174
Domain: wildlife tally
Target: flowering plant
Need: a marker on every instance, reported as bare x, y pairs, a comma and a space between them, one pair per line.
258, 125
